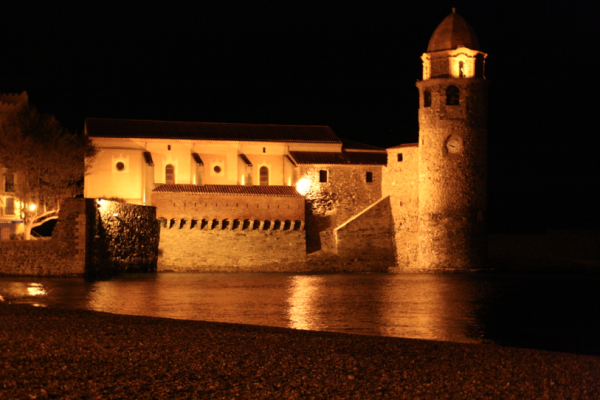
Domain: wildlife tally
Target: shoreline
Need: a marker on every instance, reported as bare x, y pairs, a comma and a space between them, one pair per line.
48, 352
575, 269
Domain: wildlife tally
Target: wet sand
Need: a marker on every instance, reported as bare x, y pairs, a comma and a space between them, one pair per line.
72, 354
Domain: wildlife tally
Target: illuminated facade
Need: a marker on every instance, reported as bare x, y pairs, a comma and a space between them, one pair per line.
10, 221
434, 191
452, 149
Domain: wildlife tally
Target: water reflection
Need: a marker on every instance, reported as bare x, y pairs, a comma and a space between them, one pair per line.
552, 312
431, 308
36, 289
303, 296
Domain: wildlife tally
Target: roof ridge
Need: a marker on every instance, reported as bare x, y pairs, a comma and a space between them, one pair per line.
207, 122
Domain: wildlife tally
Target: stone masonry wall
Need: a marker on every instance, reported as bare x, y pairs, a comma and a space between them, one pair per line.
88, 239
328, 205
205, 206
243, 249
62, 255
368, 237
401, 183
123, 238
452, 175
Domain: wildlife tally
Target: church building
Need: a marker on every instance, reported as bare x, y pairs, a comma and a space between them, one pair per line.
413, 207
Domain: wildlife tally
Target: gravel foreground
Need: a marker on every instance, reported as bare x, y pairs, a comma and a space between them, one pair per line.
76, 354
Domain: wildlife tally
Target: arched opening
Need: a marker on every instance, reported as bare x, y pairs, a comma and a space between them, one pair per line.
461, 69
452, 96
264, 176
170, 174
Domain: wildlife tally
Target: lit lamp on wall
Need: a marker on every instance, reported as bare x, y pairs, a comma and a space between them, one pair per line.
32, 207
303, 186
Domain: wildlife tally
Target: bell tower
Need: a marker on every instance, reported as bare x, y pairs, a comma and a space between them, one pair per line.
452, 150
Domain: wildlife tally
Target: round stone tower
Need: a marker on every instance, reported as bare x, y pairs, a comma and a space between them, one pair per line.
452, 150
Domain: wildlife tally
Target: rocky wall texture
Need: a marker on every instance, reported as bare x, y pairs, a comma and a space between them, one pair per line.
368, 237
205, 206
123, 238
90, 238
62, 255
452, 175
401, 183
183, 248
330, 204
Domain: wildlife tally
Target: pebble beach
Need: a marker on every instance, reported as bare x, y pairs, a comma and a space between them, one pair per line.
76, 354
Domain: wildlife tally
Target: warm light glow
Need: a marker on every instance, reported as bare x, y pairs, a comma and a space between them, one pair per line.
32, 207
463, 66
36, 289
115, 215
426, 66
304, 302
303, 186
243, 180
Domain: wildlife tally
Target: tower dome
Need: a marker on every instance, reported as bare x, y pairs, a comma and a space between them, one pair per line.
453, 32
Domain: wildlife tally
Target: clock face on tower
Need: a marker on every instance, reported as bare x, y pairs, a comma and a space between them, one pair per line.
453, 145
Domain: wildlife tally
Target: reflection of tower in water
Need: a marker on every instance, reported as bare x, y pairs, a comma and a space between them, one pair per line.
435, 307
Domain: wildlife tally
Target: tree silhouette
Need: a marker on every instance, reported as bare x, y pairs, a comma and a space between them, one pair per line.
46, 160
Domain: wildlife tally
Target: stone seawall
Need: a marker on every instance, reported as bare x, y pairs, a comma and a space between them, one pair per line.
93, 238
368, 238
225, 250
122, 238
63, 255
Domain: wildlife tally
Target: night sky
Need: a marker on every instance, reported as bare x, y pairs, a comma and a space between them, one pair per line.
351, 65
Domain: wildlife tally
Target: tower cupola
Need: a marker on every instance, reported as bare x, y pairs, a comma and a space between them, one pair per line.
453, 51
453, 32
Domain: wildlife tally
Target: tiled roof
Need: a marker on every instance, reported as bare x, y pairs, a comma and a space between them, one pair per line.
275, 191
144, 129
345, 158
350, 145
405, 145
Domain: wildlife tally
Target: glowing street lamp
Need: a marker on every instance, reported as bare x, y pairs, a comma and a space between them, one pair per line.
32, 207
303, 186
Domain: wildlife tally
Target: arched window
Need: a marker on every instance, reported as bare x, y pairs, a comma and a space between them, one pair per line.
427, 98
452, 96
461, 69
264, 176
170, 174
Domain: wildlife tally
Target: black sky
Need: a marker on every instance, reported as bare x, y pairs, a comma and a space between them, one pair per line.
351, 65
